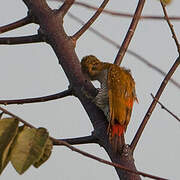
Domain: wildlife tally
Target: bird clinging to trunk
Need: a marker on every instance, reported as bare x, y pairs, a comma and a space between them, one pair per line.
115, 98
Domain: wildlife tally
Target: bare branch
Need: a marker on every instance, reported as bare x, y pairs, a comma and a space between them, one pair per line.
77, 35
41, 4
16, 117
153, 104
80, 140
64, 48
121, 14
65, 7
127, 15
160, 71
171, 27
163, 107
130, 33
38, 99
17, 24
60, 142
21, 40
139, 57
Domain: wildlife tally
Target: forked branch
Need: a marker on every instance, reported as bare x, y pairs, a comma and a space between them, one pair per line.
126, 15
121, 14
65, 7
136, 55
130, 33
77, 35
162, 87
64, 143
171, 27
165, 108
153, 104
63, 46
105, 161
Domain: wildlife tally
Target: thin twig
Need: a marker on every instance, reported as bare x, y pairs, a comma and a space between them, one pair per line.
139, 57
153, 104
130, 33
17, 117
65, 7
38, 99
78, 34
171, 27
160, 71
105, 161
60, 142
80, 140
126, 15
121, 14
21, 40
17, 24
165, 108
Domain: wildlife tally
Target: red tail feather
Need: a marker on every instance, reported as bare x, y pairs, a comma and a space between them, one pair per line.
117, 129
116, 137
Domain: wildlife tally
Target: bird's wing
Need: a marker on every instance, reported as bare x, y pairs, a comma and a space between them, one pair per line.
121, 92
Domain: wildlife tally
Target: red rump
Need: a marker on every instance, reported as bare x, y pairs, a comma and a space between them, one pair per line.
117, 130
116, 137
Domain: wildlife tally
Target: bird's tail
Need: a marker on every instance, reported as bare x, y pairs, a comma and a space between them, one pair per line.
116, 137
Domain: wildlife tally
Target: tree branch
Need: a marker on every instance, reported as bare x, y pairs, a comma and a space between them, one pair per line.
139, 57
38, 99
153, 104
156, 68
163, 107
130, 33
41, 5
127, 15
63, 46
77, 35
27, 20
80, 140
171, 27
60, 142
121, 14
65, 7
16, 117
21, 40
160, 90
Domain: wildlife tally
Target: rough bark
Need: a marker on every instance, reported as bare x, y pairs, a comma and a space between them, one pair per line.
51, 27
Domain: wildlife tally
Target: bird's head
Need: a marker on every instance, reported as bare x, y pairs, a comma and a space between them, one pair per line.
91, 67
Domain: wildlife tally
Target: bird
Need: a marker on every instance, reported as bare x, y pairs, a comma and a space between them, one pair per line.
115, 98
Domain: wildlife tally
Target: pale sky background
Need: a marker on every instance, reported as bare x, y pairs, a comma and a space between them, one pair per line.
33, 70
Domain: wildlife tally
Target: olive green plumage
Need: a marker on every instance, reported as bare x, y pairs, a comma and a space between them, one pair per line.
116, 96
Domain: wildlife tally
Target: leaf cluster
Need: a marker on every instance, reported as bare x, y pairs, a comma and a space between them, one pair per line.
23, 146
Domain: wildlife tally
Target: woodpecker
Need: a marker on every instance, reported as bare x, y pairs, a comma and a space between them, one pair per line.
115, 98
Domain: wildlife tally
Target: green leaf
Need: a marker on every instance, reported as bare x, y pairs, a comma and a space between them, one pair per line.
46, 154
28, 148
40, 141
8, 131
